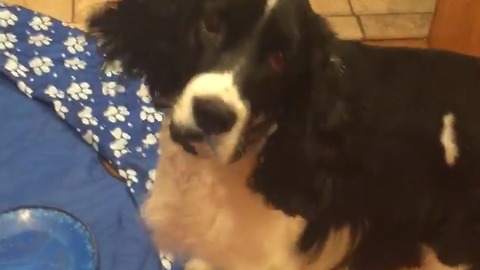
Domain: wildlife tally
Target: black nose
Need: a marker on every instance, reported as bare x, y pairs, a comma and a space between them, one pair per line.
212, 115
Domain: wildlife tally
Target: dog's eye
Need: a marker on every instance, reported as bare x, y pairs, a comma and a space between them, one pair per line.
276, 61
212, 24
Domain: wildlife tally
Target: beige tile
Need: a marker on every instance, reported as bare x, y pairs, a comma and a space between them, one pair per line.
60, 9
331, 7
80, 26
346, 27
392, 6
83, 8
14, 2
413, 43
396, 26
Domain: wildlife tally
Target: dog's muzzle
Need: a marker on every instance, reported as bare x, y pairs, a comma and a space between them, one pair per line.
199, 143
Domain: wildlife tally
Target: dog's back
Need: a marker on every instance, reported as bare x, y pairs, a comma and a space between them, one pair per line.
416, 131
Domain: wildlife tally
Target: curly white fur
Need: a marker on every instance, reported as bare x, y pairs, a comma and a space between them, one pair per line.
202, 208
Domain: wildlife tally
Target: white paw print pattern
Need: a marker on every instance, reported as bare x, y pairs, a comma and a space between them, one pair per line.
53, 92
112, 68
151, 179
25, 89
119, 146
143, 94
76, 44
75, 63
7, 18
87, 118
150, 140
41, 23
60, 108
7, 41
39, 40
129, 175
79, 91
166, 260
112, 89
114, 114
41, 65
150, 115
92, 139
14, 67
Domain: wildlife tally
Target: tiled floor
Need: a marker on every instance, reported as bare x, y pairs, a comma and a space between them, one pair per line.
351, 19
378, 19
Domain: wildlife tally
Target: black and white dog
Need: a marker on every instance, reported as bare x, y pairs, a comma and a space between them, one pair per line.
287, 148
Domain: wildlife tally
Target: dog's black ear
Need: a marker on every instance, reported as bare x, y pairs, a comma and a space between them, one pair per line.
151, 38
293, 173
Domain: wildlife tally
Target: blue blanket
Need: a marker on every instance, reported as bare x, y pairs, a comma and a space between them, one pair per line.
58, 64
56, 94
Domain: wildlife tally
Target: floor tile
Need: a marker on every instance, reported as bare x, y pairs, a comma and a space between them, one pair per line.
83, 9
392, 6
346, 27
80, 26
413, 43
60, 9
396, 26
331, 7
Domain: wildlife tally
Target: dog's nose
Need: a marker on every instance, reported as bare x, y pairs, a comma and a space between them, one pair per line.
212, 115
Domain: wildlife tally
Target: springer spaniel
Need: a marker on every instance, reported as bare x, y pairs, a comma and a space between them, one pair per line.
287, 148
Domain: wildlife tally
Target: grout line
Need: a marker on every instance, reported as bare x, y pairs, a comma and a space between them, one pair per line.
357, 18
395, 39
74, 4
395, 13
375, 14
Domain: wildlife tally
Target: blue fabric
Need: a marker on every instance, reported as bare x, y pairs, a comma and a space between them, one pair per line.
58, 64
43, 162
43, 157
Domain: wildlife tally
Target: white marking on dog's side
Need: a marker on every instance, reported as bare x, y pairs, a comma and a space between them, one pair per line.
431, 262
448, 139
270, 5
221, 86
337, 247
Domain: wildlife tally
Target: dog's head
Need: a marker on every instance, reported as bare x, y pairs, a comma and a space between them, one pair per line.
234, 71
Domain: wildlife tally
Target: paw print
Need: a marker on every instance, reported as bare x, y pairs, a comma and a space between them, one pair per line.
91, 139
143, 94
119, 146
76, 44
129, 175
87, 118
39, 40
151, 181
112, 89
112, 68
53, 92
75, 63
25, 89
60, 109
7, 41
7, 18
79, 91
166, 261
114, 114
14, 67
41, 65
41, 23
150, 115
150, 139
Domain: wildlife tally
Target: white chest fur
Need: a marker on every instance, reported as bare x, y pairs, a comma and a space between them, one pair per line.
204, 209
